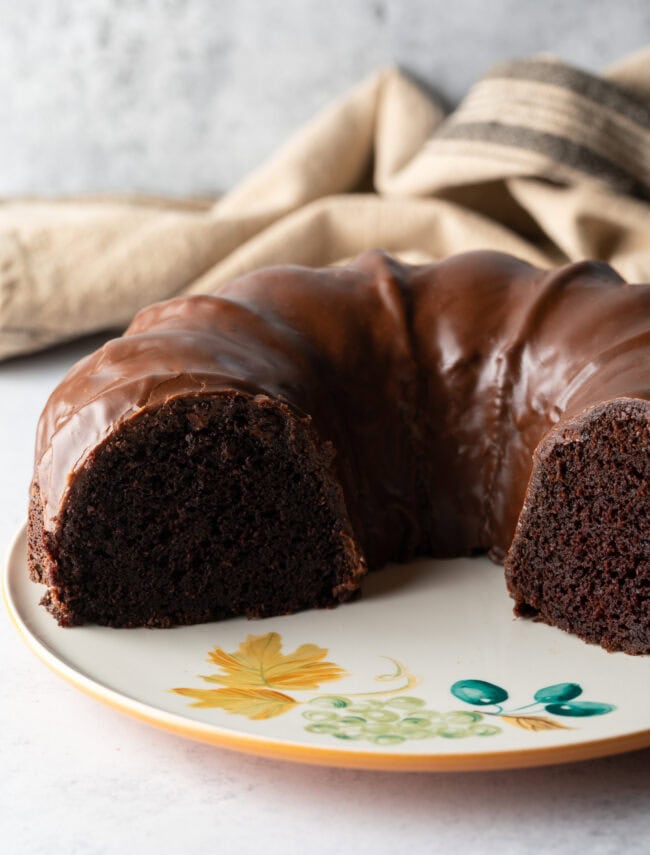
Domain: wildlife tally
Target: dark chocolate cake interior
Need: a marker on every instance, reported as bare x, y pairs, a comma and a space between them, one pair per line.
203, 477
581, 554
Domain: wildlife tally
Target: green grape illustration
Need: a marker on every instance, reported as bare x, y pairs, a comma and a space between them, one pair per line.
391, 721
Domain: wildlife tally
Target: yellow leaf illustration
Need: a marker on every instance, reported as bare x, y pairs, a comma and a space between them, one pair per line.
253, 703
534, 722
259, 662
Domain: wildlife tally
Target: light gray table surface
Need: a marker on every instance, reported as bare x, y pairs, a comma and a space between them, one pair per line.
184, 98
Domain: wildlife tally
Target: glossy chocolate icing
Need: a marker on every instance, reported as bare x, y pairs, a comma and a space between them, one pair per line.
433, 383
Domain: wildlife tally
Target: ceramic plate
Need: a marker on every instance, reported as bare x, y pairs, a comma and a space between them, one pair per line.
428, 671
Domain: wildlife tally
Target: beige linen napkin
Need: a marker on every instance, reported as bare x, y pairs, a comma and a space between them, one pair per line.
540, 160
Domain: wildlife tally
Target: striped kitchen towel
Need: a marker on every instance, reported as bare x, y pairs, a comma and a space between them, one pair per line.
542, 117
540, 159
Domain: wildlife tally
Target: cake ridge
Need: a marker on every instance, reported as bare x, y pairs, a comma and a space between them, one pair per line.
434, 387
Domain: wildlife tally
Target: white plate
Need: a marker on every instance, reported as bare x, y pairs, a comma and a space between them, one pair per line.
413, 676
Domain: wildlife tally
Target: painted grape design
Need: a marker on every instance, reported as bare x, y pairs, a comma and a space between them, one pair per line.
390, 721
558, 693
479, 692
558, 699
260, 680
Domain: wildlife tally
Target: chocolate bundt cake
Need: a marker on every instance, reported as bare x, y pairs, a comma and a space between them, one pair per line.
257, 451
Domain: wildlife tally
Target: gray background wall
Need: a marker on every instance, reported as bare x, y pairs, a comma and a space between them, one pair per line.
185, 97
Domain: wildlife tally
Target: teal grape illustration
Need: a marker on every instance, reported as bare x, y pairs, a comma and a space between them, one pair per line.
557, 699
479, 692
558, 693
580, 709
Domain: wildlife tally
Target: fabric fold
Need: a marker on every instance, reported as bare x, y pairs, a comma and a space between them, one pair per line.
541, 160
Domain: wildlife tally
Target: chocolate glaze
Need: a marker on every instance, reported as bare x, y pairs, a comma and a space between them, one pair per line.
433, 383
